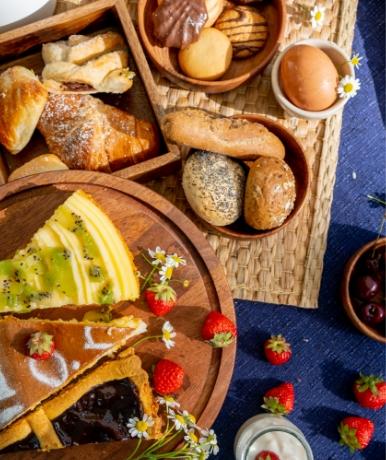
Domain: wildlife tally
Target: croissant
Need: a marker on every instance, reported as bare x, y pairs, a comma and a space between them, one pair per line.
87, 134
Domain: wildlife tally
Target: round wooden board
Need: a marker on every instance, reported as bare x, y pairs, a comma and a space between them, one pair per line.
146, 220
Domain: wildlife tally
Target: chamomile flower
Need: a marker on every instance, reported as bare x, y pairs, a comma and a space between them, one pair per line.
209, 441
179, 420
158, 256
356, 60
168, 335
139, 428
168, 402
192, 439
174, 260
166, 273
317, 16
348, 87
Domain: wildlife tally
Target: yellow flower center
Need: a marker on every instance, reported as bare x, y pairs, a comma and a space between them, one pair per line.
180, 419
160, 256
191, 418
169, 272
142, 426
318, 15
348, 87
167, 335
169, 399
193, 436
355, 60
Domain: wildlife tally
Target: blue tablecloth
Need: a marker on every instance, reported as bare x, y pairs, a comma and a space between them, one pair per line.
328, 351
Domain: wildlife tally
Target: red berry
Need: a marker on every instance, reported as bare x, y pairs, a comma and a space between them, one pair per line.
370, 391
366, 287
373, 313
40, 345
267, 455
280, 400
161, 299
168, 377
356, 432
218, 330
277, 350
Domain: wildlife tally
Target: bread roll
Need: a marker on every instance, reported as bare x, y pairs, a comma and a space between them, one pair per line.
79, 49
22, 100
270, 193
234, 137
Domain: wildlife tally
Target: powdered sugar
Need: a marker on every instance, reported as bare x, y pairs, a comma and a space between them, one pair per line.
37, 370
90, 344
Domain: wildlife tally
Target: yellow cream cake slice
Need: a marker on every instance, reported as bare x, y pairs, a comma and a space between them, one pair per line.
78, 257
26, 381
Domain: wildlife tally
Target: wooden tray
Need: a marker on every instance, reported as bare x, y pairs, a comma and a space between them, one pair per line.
145, 220
142, 100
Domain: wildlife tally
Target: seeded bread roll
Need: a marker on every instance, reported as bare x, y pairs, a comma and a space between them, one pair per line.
234, 137
270, 193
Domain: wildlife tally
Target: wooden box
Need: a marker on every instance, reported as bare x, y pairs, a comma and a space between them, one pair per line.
22, 46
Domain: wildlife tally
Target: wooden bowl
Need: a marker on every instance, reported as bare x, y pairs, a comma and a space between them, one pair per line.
165, 59
296, 159
345, 290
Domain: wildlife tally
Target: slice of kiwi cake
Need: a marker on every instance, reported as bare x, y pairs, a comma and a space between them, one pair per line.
78, 257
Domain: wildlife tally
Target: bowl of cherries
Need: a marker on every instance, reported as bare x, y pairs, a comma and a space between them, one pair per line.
363, 289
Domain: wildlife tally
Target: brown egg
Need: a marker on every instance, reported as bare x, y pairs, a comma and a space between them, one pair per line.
308, 78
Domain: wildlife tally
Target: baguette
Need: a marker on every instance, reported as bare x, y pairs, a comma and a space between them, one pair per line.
234, 137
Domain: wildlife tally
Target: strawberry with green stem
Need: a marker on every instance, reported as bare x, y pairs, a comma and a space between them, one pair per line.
41, 346
161, 298
356, 433
218, 330
280, 400
277, 350
370, 391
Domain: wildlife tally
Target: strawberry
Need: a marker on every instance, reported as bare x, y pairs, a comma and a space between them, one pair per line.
167, 377
218, 330
267, 455
161, 298
370, 391
277, 350
356, 432
280, 400
41, 345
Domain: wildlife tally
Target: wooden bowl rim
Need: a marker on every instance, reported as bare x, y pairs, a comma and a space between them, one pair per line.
229, 232
216, 84
345, 289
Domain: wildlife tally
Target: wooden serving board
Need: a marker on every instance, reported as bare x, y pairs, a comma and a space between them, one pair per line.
146, 220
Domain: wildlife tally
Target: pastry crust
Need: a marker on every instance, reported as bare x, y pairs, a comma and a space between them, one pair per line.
81, 48
234, 137
87, 134
91, 73
127, 365
22, 100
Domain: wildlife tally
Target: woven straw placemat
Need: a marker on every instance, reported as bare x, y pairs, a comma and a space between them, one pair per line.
285, 268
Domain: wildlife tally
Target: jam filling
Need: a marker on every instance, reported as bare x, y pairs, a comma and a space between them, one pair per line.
100, 415
28, 443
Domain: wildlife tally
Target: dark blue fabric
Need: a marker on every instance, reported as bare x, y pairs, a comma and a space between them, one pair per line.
328, 351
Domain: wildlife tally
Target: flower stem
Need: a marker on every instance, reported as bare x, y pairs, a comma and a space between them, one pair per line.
150, 337
135, 450
148, 278
376, 199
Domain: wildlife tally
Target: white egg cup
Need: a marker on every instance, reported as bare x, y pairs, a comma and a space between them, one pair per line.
342, 64
17, 13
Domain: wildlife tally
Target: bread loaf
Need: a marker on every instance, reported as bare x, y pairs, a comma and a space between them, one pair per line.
270, 193
85, 133
234, 137
22, 100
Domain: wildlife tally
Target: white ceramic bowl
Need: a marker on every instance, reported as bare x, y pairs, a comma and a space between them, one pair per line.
16, 13
343, 65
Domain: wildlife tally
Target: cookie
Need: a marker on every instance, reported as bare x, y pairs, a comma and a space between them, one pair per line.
208, 58
246, 28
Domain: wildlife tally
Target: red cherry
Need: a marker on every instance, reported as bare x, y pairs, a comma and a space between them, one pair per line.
373, 313
366, 287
